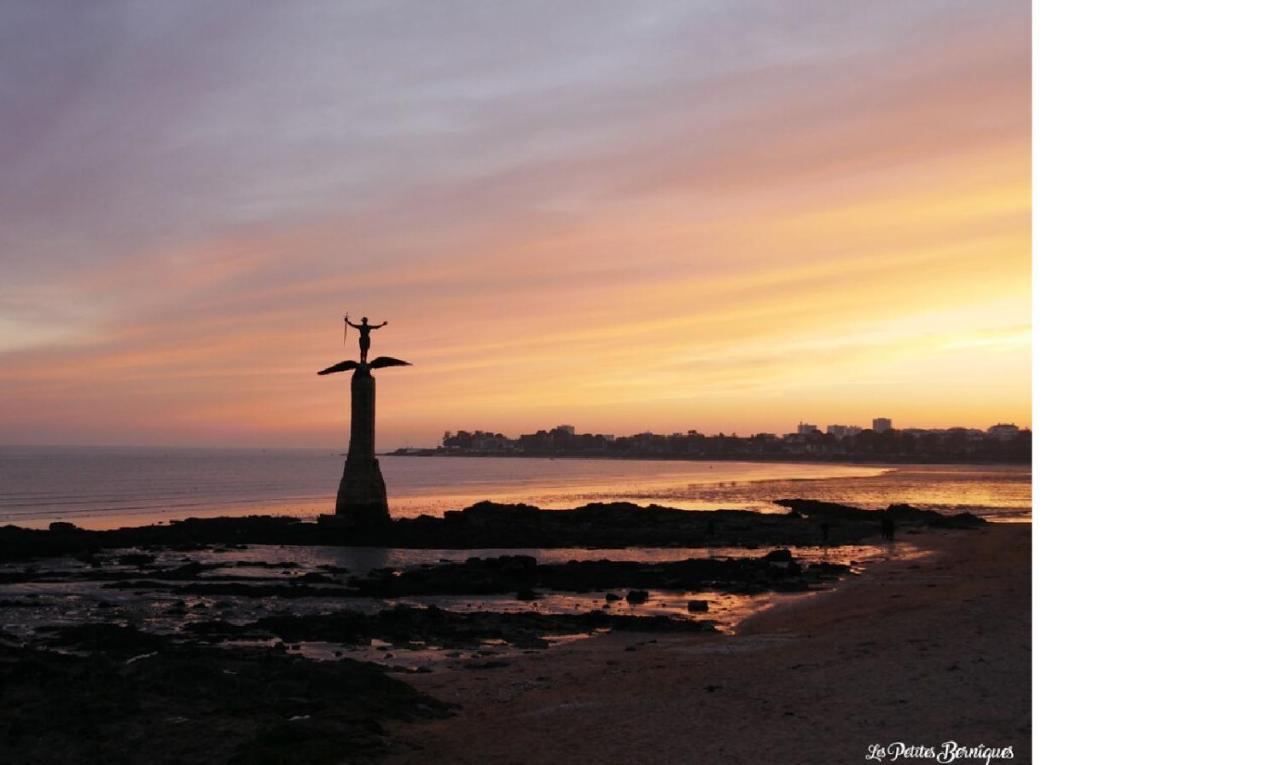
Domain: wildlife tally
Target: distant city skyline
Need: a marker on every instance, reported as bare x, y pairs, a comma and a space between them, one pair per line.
802, 427
409, 439
1003, 442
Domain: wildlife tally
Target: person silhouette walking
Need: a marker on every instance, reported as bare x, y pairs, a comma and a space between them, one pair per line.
364, 328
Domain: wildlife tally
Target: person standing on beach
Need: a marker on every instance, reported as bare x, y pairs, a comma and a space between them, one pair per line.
364, 328
887, 526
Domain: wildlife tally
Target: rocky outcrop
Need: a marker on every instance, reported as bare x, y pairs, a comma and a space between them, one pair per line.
406, 625
132, 697
492, 525
902, 515
777, 571
483, 525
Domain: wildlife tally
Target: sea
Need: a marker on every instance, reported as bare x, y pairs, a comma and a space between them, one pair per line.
111, 487
115, 487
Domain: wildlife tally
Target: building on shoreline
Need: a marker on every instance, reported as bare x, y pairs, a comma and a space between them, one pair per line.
1003, 431
840, 431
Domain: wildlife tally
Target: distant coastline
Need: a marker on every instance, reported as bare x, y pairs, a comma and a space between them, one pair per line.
412, 451
1004, 443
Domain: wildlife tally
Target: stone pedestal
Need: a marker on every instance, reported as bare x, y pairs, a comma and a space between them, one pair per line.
362, 495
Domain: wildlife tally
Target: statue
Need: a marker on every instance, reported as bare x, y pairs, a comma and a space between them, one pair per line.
364, 329
362, 494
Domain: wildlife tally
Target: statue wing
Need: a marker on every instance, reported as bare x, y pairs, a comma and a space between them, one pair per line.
341, 366
387, 361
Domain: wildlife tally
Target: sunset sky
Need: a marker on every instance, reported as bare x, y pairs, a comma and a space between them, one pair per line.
727, 216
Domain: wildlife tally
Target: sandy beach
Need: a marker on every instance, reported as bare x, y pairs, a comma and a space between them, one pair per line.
920, 649
923, 641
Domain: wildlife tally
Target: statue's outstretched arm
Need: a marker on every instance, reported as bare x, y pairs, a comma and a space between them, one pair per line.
349, 322
380, 326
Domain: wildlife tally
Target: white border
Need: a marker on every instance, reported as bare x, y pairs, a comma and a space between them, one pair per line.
1155, 347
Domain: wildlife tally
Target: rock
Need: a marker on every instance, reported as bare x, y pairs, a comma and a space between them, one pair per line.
486, 576
638, 596
484, 525
314, 577
408, 626
900, 513
251, 706
699, 606
832, 569
512, 564
105, 638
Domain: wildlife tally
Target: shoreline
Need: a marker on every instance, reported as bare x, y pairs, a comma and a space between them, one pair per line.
921, 649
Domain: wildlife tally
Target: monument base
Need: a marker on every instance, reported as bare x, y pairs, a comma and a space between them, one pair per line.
362, 494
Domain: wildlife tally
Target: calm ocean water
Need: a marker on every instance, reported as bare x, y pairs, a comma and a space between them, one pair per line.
105, 487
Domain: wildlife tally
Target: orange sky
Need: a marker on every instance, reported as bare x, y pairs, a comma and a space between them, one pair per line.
717, 219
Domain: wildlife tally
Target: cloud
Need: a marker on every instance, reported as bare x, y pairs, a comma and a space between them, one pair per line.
550, 201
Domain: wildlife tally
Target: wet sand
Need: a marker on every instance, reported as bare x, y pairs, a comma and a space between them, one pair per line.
919, 649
